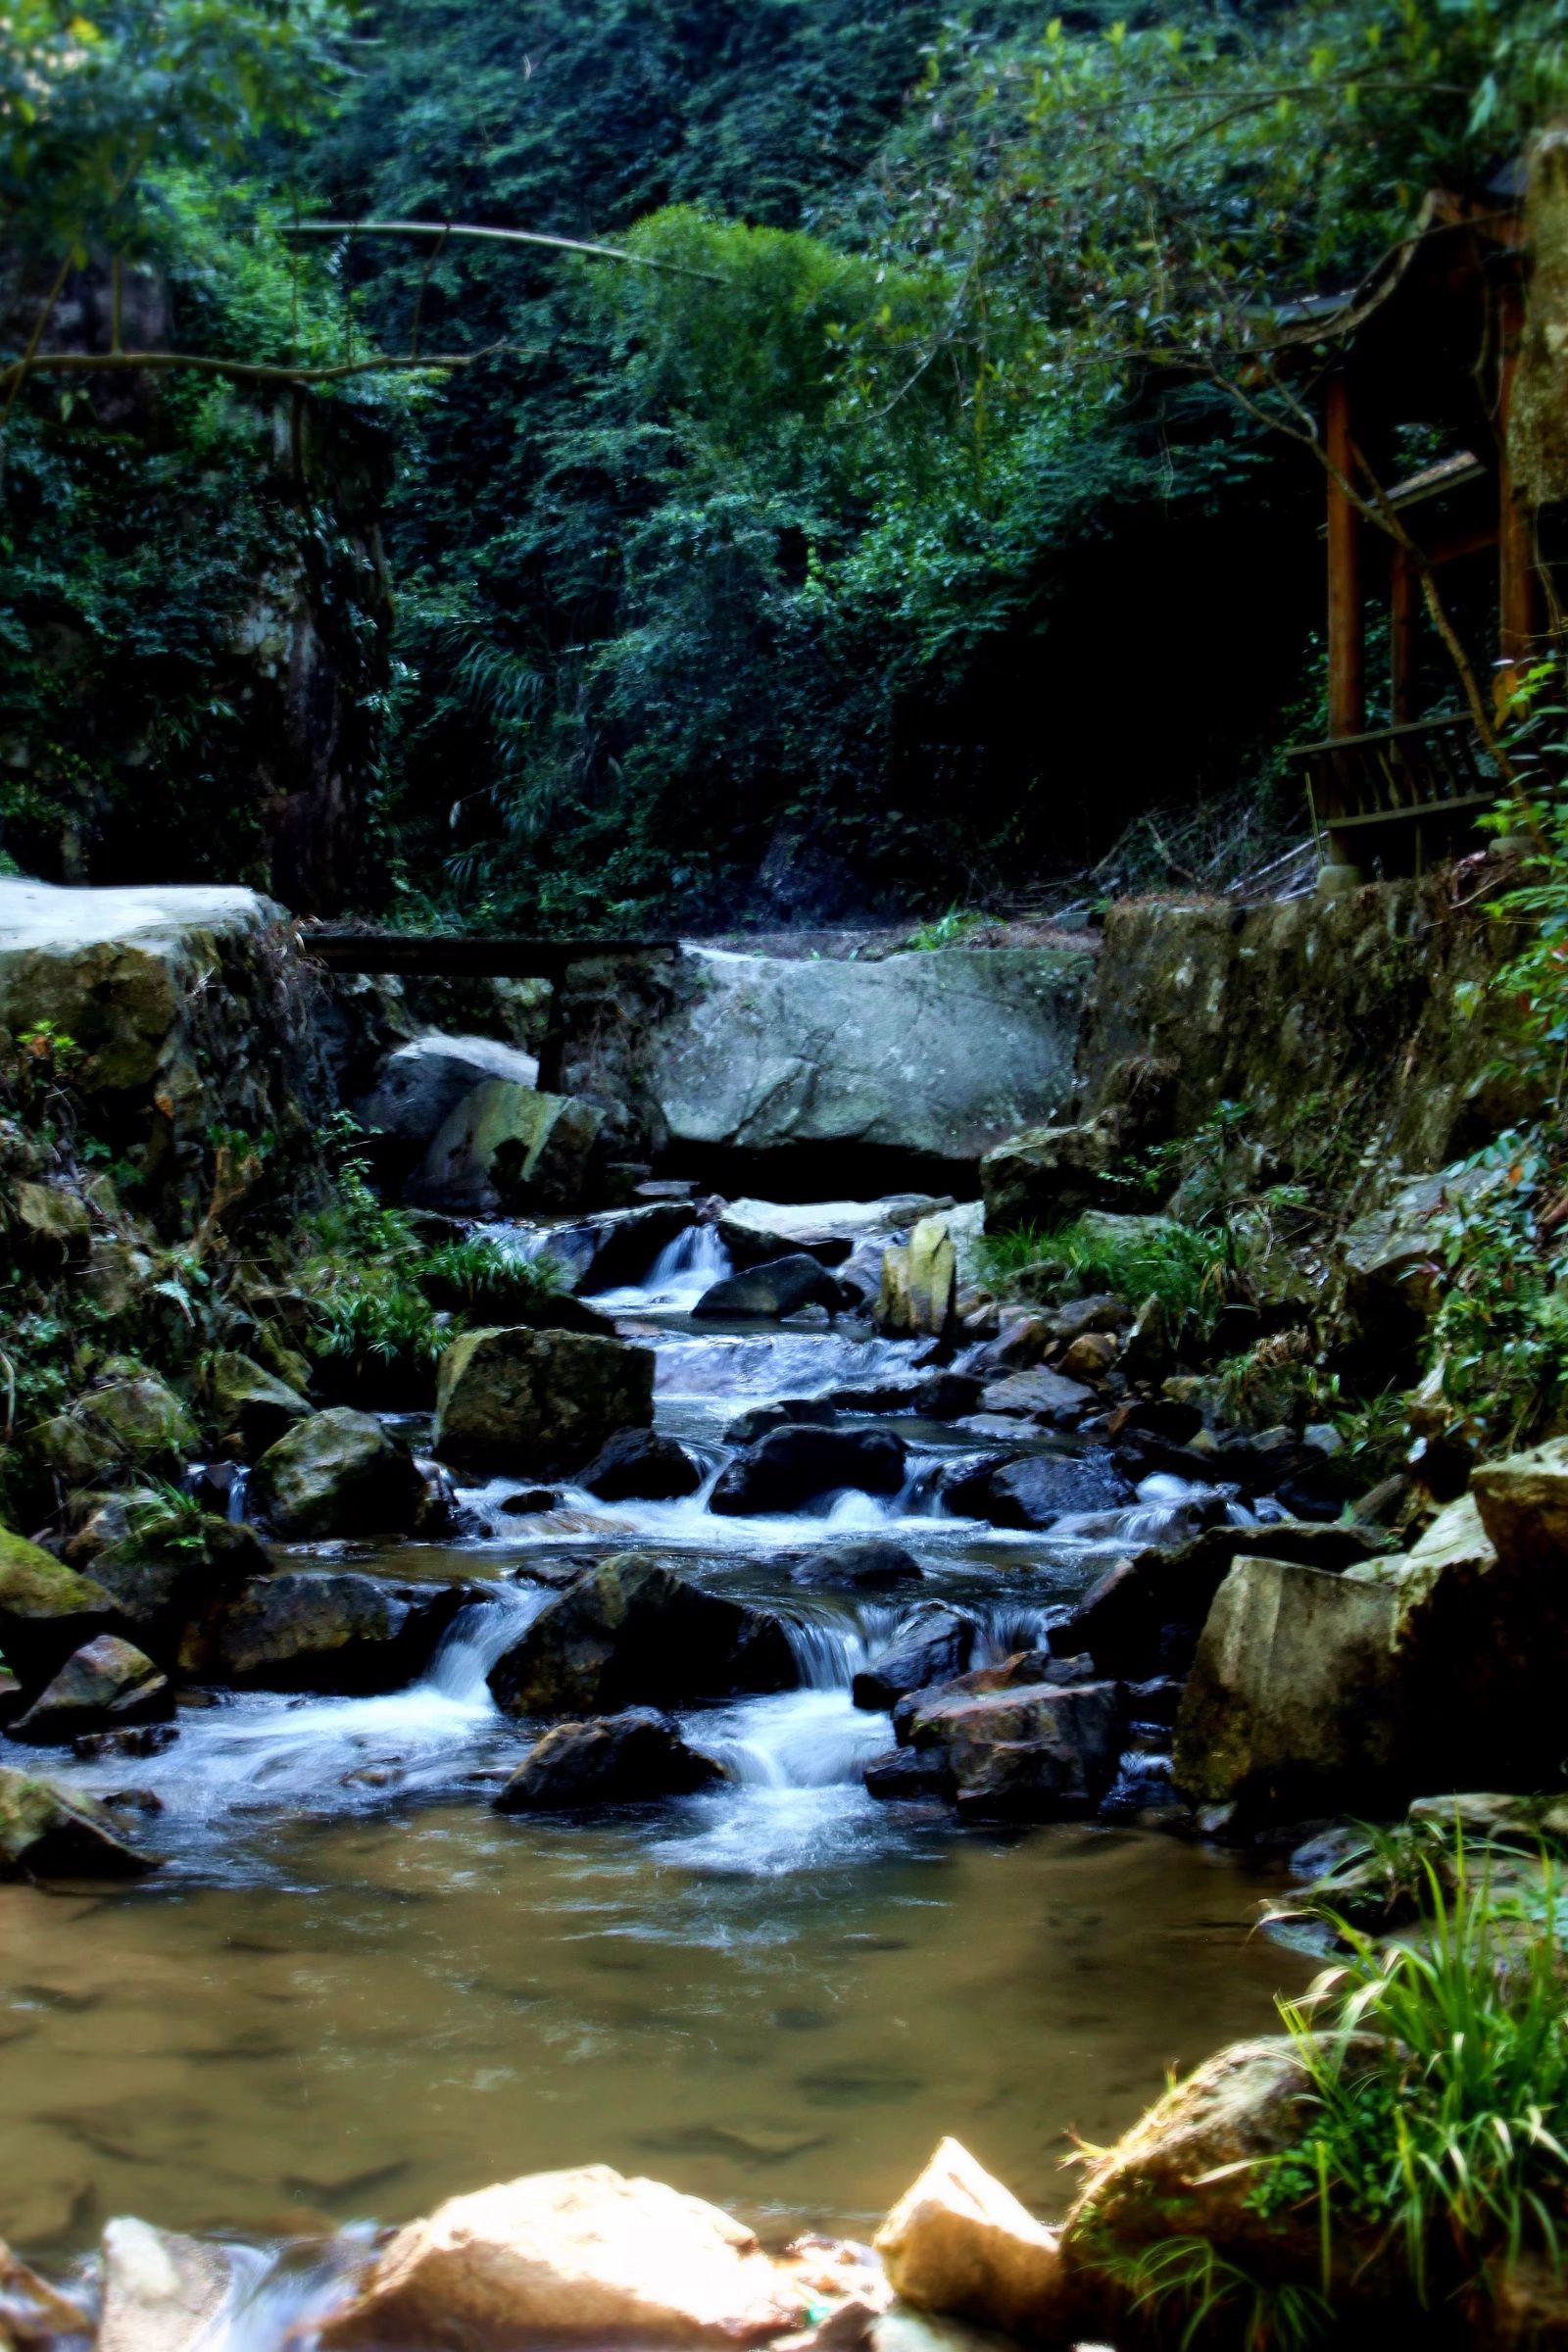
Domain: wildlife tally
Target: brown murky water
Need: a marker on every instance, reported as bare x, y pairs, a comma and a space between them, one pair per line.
424, 2004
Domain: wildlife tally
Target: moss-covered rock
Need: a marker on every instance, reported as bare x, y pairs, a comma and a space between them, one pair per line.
46, 1609
106, 1682
252, 1404
52, 1833
338, 1473
541, 1402
629, 1633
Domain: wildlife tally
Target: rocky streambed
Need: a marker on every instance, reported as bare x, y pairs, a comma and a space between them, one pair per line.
354, 1986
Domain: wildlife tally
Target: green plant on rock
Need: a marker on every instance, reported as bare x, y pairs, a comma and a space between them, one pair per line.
480, 1279
166, 1520
1188, 1269
1183, 2285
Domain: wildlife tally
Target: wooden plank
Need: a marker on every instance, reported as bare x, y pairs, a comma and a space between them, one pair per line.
1345, 619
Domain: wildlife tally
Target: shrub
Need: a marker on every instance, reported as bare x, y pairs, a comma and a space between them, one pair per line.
1191, 1272
478, 1278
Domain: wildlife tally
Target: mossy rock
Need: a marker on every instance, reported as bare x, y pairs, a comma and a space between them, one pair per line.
338, 1473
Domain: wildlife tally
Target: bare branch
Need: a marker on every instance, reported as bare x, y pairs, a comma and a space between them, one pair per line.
248, 371
442, 230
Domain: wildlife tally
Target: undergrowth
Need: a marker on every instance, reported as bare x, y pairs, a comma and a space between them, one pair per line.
1188, 1270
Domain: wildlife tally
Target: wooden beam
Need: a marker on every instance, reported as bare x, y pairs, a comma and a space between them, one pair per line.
462, 954
1345, 615
1403, 609
1517, 597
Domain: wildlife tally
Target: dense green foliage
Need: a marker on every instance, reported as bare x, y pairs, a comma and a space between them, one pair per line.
802, 572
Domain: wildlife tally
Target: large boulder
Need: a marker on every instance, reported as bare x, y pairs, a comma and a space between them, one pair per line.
47, 1610
641, 1464
626, 1759
136, 1425
780, 1287
937, 1054
182, 1002
630, 1633
107, 1682
582, 2256
51, 1833
957, 2242
338, 1473
934, 1649
1296, 1705
799, 1464
540, 1402
420, 1085
308, 1630
505, 1146
1390, 1274
754, 1231
920, 1283
1144, 1615
1027, 1751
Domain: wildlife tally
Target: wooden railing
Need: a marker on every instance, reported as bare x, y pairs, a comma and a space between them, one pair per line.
1434, 768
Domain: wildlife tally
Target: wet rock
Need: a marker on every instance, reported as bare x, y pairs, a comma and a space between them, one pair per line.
420, 1085
527, 1501
12, 1700
626, 1759
619, 1246
1294, 1704
640, 1464
1038, 1395
747, 1428
142, 1741
935, 1647
1144, 1615
162, 2293
1392, 1274
1522, 1504
781, 1287
899, 1773
34, 2316
46, 1609
1147, 1353
508, 1146
797, 1465
308, 1629
1041, 1487
947, 1396
339, 1473
538, 1401
1035, 1751
107, 1682
130, 1426
872, 1567
252, 1404
584, 2256
920, 1283
958, 2242
628, 1632
1021, 1667
52, 1833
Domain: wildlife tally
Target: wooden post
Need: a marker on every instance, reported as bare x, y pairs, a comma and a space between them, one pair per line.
1404, 605
1517, 609
1346, 617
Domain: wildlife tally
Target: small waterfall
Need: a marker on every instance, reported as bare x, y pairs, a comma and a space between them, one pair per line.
678, 1276
239, 1488
477, 1637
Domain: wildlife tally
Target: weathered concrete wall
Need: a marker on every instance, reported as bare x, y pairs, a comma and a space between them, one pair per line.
1343, 1022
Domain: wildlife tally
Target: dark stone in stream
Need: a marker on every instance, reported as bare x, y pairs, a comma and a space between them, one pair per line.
934, 1649
340, 1473
1032, 1751
527, 1502
908, 1771
146, 1739
947, 1396
1023, 1666
1144, 1616
747, 1428
626, 1759
795, 1466
107, 1682
630, 1632
52, 1833
305, 1630
641, 1464
1034, 1489
870, 1567
782, 1287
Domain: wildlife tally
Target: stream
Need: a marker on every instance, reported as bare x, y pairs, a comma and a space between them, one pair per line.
355, 1989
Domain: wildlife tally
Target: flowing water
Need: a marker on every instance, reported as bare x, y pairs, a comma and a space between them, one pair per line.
354, 1988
